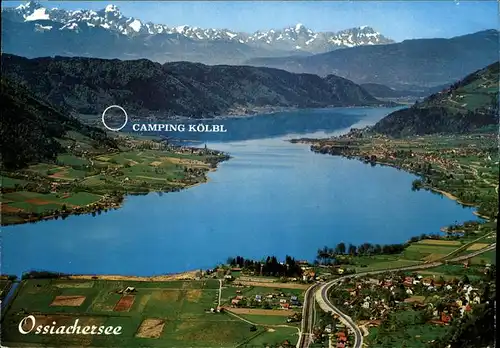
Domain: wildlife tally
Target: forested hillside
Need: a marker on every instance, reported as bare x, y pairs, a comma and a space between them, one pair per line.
89, 85
466, 105
32, 130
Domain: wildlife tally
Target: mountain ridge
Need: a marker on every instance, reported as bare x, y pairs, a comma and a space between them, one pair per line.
422, 62
89, 85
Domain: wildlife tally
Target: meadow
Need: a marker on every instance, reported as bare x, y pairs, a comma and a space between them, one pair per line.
154, 314
93, 182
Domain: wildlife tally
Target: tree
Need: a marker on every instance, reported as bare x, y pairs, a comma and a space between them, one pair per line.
340, 248
352, 250
416, 185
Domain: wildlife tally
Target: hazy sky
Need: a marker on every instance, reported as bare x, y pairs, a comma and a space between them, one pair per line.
398, 20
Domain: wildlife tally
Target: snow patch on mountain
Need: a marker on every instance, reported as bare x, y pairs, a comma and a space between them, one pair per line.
136, 25
38, 14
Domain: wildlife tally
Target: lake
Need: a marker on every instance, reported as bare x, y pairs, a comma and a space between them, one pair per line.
271, 198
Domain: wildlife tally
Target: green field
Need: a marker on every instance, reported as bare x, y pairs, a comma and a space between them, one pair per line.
76, 182
407, 332
266, 319
272, 336
376, 262
182, 308
40, 203
418, 251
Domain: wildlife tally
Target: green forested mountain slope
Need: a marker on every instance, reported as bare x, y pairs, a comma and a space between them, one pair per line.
32, 130
466, 105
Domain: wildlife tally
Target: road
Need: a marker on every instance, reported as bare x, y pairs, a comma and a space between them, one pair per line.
320, 292
305, 337
220, 292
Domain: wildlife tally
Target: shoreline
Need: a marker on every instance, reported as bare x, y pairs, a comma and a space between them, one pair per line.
312, 141
115, 203
251, 112
187, 275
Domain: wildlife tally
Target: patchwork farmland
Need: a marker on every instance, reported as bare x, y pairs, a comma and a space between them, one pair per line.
151, 314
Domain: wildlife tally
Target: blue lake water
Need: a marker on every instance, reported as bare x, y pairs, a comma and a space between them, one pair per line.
271, 198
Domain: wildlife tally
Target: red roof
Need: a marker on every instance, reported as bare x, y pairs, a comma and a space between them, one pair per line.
340, 345
341, 333
445, 318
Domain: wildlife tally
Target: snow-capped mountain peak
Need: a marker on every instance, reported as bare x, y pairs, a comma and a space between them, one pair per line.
299, 26
111, 8
29, 5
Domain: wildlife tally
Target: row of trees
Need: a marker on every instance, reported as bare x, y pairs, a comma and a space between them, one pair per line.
328, 255
269, 267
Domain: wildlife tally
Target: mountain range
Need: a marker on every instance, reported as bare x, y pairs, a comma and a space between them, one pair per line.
89, 85
32, 30
405, 65
464, 106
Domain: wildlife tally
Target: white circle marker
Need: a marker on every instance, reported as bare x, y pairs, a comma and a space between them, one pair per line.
124, 123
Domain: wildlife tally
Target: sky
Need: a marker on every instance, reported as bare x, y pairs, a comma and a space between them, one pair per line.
398, 20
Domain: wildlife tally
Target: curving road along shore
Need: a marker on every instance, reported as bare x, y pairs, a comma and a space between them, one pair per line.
319, 292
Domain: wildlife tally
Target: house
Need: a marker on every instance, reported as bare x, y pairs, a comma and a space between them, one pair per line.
258, 298
445, 318
239, 297
308, 275
228, 277
235, 301
285, 305
387, 284
282, 300
408, 281
341, 345
127, 290
427, 281
340, 334
270, 296
294, 300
